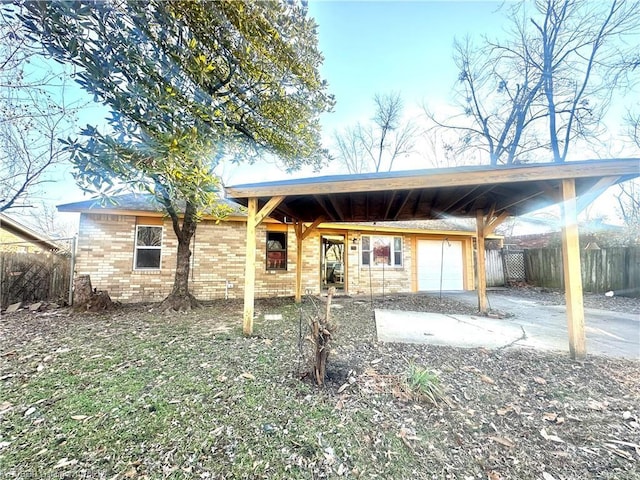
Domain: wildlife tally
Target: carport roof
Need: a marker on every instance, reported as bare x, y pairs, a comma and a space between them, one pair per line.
435, 193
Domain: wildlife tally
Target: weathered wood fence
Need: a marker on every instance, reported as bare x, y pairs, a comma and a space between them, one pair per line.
612, 268
33, 277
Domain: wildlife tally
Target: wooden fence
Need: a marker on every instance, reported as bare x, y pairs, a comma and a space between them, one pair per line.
33, 277
613, 268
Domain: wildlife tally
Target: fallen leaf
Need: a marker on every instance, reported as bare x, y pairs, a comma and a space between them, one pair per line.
79, 417
503, 411
540, 380
553, 438
64, 462
29, 411
550, 416
493, 475
486, 379
131, 473
343, 387
548, 476
5, 407
595, 405
248, 376
503, 441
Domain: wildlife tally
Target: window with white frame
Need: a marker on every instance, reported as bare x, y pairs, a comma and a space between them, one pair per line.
381, 250
148, 247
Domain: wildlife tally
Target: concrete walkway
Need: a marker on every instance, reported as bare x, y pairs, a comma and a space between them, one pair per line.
532, 325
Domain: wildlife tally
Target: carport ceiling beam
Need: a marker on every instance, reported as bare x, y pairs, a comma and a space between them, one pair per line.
336, 207
403, 204
464, 200
324, 207
389, 205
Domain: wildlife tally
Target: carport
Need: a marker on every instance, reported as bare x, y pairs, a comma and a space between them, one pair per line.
488, 194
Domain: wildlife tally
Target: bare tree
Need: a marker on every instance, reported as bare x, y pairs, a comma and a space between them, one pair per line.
49, 221
496, 92
33, 115
376, 145
349, 149
549, 83
579, 58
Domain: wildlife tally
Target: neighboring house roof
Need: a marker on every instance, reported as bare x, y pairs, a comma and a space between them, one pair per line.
19, 230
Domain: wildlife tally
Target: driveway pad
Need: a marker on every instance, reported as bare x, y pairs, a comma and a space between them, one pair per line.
445, 329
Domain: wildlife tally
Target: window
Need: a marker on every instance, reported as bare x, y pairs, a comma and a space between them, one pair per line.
148, 247
381, 250
276, 251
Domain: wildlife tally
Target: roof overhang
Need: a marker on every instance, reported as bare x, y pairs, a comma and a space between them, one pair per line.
435, 193
10, 225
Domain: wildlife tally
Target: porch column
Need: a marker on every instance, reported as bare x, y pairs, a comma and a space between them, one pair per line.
572, 272
301, 234
481, 266
485, 226
254, 218
250, 267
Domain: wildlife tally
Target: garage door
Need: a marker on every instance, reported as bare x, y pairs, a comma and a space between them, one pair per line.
436, 256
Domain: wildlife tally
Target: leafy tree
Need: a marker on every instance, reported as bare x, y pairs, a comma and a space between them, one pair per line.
550, 82
188, 83
33, 115
376, 145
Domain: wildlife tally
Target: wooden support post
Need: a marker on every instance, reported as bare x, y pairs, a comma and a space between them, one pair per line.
572, 273
254, 218
250, 267
298, 229
481, 263
301, 234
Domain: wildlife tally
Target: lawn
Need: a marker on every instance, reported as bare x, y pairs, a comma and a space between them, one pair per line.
134, 393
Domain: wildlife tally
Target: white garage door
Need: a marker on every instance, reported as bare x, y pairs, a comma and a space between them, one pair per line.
431, 262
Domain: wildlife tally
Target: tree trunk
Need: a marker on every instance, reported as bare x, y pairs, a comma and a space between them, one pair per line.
180, 299
85, 299
82, 290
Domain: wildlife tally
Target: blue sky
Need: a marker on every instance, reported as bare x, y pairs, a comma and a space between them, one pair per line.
405, 47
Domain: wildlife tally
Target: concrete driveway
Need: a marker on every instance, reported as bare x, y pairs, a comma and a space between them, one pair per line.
532, 325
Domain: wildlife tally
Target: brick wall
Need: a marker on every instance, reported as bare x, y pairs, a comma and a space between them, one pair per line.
106, 251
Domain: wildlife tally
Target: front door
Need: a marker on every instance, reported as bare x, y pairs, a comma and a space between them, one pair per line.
332, 267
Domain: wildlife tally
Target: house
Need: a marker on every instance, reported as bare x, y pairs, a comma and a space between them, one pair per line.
129, 249
16, 237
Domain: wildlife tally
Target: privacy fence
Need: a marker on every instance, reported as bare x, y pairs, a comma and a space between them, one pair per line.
612, 268
33, 277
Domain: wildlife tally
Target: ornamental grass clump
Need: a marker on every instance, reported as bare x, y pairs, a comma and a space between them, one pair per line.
424, 384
